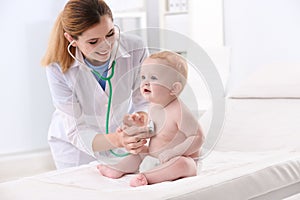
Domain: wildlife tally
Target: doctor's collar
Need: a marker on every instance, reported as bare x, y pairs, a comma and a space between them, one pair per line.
78, 54
122, 52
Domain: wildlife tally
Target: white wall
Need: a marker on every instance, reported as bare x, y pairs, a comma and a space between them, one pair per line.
25, 103
206, 22
206, 27
261, 32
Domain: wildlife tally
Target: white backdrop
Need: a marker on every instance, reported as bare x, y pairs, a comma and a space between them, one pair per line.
25, 100
261, 32
257, 32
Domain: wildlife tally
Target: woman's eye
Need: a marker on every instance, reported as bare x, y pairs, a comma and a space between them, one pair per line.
143, 77
153, 78
111, 34
93, 42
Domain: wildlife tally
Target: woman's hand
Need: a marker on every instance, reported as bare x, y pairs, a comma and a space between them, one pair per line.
135, 142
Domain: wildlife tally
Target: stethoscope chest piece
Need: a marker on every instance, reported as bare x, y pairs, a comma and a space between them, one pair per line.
151, 126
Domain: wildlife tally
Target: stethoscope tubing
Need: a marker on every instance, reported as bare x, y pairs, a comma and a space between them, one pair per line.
108, 79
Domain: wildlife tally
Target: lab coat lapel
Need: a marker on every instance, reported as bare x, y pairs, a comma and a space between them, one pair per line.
99, 90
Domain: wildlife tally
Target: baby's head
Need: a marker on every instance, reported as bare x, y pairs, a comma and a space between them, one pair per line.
163, 75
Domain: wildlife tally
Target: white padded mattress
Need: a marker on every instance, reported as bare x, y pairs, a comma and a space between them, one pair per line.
223, 175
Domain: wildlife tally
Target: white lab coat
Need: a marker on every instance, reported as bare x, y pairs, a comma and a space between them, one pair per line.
81, 104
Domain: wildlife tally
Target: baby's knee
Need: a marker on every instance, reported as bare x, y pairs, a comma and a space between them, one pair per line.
188, 165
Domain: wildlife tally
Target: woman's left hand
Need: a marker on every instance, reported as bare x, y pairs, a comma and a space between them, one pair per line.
134, 143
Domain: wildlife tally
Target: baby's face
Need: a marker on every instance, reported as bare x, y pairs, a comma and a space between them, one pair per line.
157, 79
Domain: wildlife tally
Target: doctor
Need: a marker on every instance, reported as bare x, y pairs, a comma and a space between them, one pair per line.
84, 37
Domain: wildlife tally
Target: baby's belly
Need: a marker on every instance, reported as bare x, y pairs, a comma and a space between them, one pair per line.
163, 142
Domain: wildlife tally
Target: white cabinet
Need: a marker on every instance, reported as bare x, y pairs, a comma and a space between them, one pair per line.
129, 15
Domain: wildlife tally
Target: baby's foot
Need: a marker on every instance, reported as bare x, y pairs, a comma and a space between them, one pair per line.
109, 172
139, 180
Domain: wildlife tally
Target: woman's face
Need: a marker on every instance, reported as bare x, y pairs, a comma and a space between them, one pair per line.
96, 43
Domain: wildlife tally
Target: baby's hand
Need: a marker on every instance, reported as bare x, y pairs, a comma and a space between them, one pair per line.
134, 119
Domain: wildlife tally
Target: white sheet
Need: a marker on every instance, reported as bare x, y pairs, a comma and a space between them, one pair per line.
243, 175
294, 197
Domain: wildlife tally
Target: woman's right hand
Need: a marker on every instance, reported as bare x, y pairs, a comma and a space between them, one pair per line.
133, 143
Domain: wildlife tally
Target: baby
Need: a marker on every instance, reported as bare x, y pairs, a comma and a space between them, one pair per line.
178, 136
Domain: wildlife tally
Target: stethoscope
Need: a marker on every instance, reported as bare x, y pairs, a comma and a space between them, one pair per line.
150, 125
108, 79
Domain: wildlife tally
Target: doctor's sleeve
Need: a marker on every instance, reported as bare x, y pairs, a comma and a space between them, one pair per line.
68, 123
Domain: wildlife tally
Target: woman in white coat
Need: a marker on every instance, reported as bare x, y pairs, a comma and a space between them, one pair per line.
84, 38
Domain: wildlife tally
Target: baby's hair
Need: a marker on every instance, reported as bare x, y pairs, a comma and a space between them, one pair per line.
174, 60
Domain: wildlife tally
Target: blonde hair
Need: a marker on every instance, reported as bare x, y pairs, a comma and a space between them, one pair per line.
173, 60
77, 17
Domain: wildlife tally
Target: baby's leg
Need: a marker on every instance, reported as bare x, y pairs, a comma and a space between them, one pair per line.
175, 168
130, 164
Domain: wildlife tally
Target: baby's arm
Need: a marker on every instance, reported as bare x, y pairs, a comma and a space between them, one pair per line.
192, 143
189, 146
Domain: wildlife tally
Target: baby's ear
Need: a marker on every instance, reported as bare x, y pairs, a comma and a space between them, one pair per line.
176, 88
